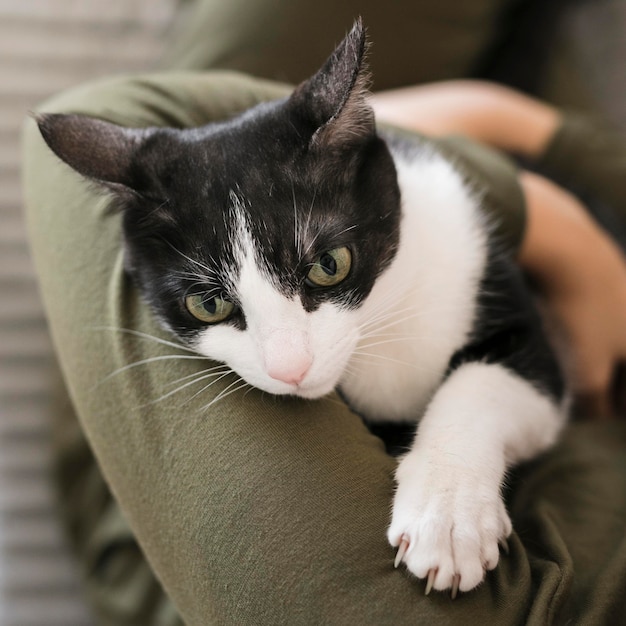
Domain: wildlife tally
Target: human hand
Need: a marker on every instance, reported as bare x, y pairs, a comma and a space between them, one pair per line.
591, 307
582, 273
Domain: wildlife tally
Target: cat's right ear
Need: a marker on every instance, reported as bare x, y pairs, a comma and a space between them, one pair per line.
334, 100
99, 150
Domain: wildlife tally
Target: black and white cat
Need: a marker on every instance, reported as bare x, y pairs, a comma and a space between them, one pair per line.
309, 251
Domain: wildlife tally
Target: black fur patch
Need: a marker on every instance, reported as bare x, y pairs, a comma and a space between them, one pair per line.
306, 174
509, 329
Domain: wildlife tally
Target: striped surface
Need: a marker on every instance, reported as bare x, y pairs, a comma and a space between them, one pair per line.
45, 46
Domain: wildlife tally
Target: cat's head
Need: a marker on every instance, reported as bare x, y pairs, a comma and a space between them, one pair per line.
256, 240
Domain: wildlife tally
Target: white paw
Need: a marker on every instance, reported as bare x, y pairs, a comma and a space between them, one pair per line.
448, 523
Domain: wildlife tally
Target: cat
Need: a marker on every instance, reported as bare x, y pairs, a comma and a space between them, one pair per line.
309, 250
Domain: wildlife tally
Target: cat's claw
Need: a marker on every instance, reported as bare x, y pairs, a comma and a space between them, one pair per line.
431, 579
402, 548
446, 536
456, 581
504, 545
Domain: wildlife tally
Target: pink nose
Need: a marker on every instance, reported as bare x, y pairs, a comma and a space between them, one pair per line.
292, 373
287, 357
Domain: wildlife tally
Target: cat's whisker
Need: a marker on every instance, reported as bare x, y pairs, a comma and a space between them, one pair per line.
217, 368
235, 386
373, 325
425, 340
154, 359
346, 230
307, 225
384, 357
375, 335
180, 388
390, 299
158, 208
302, 231
296, 229
349, 368
385, 309
383, 324
235, 390
249, 389
390, 340
197, 276
388, 306
217, 375
312, 243
391, 296
388, 322
205, 268
205, 273
142, 335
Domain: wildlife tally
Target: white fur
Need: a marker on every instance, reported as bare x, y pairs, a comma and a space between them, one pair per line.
481, 420
448, 504
422, 308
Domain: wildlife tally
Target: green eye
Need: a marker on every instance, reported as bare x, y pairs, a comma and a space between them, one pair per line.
209, 310
330, 268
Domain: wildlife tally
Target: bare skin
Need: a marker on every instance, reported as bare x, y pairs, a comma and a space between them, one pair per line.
586, 292
583, 275
489, 113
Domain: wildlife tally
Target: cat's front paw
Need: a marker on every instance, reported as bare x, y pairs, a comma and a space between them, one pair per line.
448, 524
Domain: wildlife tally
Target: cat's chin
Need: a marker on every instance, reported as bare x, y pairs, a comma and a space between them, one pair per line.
314, 392
308, 391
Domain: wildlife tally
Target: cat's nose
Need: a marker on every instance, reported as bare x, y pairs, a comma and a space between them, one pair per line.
292, 374
287, 357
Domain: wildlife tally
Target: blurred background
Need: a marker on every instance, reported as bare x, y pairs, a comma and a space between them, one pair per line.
47, 46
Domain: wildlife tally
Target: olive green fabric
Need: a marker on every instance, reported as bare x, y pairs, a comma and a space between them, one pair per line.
494, 178
491, 175
287, 40
412, 42
587, 154
258, 510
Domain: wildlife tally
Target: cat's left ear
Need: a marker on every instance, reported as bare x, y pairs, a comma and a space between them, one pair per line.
334, 100
94, 148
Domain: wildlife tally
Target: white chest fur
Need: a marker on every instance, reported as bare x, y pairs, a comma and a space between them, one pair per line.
422, 308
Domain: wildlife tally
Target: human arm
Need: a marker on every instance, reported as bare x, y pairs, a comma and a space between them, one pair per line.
486, 112
582, 273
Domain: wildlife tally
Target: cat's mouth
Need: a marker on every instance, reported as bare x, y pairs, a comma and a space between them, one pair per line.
313, 385
314, 391
309, 389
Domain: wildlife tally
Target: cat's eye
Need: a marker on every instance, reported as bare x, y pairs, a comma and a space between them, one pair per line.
209, 309
330, 268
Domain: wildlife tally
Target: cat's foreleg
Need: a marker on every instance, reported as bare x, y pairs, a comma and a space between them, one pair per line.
448, 513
